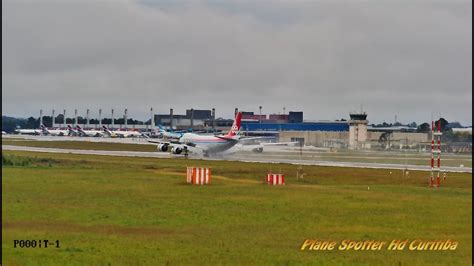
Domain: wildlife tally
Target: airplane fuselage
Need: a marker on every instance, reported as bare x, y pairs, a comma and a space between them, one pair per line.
122, 133
209, 144
29, 131
92, 133
57, 132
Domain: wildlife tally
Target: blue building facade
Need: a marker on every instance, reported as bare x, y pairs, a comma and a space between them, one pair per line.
322, 126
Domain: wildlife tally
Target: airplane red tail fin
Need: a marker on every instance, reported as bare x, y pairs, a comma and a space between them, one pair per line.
235, 126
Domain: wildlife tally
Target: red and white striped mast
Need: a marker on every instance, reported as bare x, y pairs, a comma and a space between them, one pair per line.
435, 137
432, 154
439, 151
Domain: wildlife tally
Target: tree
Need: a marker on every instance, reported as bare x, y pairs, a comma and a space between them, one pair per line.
444, 124
81, 120
9, 124
454, 125
424, 128
59, 119
47, 121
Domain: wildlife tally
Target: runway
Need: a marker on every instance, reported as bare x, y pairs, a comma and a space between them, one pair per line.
90, 152
240, 158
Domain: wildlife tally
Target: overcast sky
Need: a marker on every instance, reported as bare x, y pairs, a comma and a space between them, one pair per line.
326, 58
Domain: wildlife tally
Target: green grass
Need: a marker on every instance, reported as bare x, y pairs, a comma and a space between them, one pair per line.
139, 211
82, 145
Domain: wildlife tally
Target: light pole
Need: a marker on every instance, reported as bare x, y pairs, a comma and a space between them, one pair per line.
75, 117
152, 119
100, 119
260, 116
87, 118
125, 118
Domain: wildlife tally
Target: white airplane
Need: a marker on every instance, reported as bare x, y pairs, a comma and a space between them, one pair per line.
72, 131
168, 134
89, 132
207, 144
29, 131
122, 133
54, 132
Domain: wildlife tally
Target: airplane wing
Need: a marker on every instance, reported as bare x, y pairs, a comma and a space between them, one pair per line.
227, 138
170, 142
175, 147
156, 141
253, 138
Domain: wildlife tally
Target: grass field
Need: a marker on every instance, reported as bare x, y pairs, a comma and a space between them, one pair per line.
82, 145
139, 211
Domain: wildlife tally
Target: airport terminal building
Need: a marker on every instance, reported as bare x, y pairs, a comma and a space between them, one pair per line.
353, 133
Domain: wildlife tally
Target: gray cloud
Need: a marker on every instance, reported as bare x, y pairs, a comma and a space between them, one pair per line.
324, 58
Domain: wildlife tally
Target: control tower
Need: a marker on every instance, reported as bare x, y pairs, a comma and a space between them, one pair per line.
357, 130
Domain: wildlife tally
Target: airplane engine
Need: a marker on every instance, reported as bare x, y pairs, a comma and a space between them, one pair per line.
177, 150
258, 149
163, 147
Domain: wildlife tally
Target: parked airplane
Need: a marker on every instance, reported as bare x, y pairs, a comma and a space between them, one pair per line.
54, 132
207, 144
169, 134
72, 131
122, 134
28, 131
89, 133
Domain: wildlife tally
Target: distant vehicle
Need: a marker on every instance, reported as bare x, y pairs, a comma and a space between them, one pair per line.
122, 133
54, 132
4, 133
89, 132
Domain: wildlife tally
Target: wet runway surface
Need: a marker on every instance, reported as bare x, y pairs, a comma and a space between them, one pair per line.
242, 158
